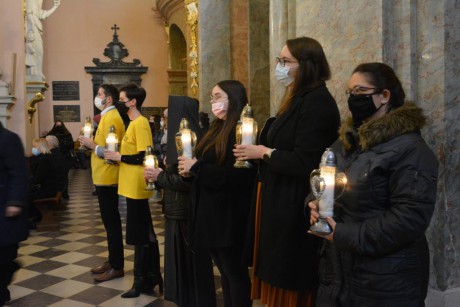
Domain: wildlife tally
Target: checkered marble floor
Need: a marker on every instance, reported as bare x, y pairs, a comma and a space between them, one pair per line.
55, 265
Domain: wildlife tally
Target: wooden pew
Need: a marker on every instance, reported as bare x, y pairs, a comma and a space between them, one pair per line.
48, 208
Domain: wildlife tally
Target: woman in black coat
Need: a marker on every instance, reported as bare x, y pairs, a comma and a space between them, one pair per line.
188, 274
13, 206
285, 256
221, 194
378, 255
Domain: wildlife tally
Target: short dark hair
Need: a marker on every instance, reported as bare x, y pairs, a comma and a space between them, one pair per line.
383, 77
110, 91
133, 91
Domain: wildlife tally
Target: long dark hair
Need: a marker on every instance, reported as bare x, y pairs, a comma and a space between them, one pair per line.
313, 67
383, 77
218, 134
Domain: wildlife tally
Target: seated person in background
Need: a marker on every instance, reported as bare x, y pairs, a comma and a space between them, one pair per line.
61, 165
66, 145
43, 181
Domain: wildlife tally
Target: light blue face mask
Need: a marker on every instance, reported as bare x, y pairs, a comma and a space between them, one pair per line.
282, 74
35, 151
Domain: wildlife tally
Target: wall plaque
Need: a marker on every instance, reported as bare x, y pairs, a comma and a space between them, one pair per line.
66, 90
67, 113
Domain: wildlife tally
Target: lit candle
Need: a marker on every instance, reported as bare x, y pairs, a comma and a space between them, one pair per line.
187, 143
247, 131
87, 130
326, 202
150, 161
111, 142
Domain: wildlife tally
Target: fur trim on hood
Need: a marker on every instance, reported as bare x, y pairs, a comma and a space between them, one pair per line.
405, 119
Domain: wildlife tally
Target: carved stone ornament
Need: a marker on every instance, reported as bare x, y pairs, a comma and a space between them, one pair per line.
116, 51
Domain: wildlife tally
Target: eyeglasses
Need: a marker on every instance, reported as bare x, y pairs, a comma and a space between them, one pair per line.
361, 91
283, 61
121, 101
214, 98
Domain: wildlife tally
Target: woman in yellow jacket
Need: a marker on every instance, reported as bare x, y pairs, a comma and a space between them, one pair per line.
131, 184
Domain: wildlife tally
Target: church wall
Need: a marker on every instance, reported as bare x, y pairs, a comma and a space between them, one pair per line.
80, 30
12, 41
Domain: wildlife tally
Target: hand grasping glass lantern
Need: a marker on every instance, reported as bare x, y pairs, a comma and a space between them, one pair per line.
151, 162
246, 133
327, 185
86, 131
111, 143
185, 140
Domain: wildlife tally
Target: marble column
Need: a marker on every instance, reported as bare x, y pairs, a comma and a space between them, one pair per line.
259, 59
279, 33
214, 47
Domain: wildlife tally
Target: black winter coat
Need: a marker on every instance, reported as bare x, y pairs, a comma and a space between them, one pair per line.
221, 200
288, 256
13, 188
384, 212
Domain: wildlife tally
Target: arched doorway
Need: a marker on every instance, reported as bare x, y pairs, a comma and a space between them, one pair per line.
178, 61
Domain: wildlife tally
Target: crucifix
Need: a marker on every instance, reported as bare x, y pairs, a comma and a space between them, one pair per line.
115, 28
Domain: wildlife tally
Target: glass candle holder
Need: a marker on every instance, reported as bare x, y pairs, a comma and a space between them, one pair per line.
150, 161
246, 133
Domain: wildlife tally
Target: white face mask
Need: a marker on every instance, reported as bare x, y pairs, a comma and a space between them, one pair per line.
162, 123
99, 103
219, 109
282, 74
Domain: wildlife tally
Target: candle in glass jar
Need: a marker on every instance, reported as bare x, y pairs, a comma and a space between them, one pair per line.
111, 142
150, 161
187, 143
87, 131
326, 202
247, 131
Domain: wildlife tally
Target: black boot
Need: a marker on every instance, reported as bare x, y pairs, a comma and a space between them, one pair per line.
139, 282
152, 272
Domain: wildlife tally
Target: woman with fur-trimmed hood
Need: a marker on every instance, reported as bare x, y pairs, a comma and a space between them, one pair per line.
377, 254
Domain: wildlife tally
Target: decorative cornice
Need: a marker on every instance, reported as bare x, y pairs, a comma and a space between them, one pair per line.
167, 8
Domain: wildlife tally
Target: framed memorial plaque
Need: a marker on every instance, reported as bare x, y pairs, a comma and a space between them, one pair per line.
66, 90
69, 113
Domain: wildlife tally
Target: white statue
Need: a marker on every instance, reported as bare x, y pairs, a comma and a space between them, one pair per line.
34, 31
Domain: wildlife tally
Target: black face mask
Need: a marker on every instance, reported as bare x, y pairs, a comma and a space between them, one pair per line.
122, 108
361, 107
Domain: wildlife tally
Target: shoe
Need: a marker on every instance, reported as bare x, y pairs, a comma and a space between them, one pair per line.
109, 275
101, 269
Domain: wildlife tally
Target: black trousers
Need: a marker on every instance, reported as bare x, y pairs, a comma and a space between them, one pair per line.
7, 268
139, 226
108, 205
236, 284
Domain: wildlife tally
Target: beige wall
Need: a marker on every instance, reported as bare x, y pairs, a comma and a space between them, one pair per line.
80, 30
12, 41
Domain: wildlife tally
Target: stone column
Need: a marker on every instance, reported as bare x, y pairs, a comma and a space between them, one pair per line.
259, 59
279, 21
214, 47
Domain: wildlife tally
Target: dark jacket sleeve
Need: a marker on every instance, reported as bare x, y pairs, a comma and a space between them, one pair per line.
17, 169
173, 181
412, 188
